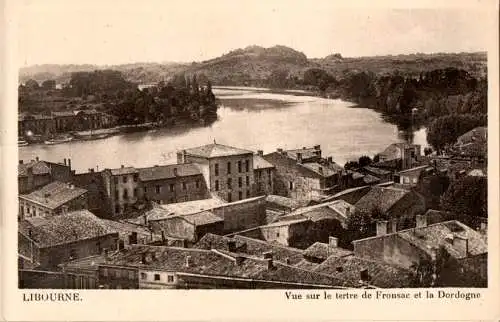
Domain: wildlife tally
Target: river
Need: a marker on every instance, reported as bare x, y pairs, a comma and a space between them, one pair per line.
250, 118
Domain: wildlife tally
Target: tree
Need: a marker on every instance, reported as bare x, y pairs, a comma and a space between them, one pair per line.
49, 84
32, 84
351, 165
428, 151
467, 197
432, 187
364, 161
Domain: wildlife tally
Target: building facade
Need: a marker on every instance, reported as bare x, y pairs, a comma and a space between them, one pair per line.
122, 188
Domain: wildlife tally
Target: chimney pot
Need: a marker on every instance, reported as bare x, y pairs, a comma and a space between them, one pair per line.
421, 221
69, 163
270, 264
122, 166
188, 261
37, 159
381, 227
260, 152
280, 150
333, 241
21, 161
299, 157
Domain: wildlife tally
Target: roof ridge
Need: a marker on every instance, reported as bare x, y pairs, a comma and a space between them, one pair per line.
267, 243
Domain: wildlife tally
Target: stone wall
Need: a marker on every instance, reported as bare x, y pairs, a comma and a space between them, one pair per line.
242, 215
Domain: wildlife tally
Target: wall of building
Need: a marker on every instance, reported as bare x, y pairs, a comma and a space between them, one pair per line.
390, 249
151, 279
279, 234
264, 181
243, 214
115, 188
52, 256
184, 189
407, 209
118, 277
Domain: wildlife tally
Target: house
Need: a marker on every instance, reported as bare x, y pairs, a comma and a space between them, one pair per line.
264, 173
303, 175
389, 202
406, 154
35, 124
278, 206
172, 183
407, 248
37, 173
93, 182
228, 171
373, 172
122, 189
53, 199
53, 240
319, 252
351, 195
150, 267
411, 176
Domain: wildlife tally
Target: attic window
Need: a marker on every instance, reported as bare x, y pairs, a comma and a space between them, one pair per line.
364, 276
339, 269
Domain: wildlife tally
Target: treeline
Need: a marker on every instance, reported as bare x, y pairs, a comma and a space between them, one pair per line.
182, 98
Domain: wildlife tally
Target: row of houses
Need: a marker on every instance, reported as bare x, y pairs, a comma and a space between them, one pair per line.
63, 122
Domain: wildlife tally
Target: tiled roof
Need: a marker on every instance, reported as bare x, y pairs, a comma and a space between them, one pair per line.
436, 235
261, 163
323, 169
323, 251
65, 229
279, 159
332, 209
377, 171
191, 207
202, 218
123, 171
381, 197
215, 150
415, 170
251, 246
307, 153
436, 216
474, 135
356, 175
283, 201
348, 269
168, 171
38, 168
307, 265
125, 228
54, 194
284, 221
64, 113
369, 179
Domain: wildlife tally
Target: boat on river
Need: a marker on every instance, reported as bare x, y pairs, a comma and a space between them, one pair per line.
58, 140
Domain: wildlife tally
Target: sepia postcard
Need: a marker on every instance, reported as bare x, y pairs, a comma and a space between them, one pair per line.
248, 160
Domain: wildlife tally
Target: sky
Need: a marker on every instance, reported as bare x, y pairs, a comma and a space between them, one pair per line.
125, 31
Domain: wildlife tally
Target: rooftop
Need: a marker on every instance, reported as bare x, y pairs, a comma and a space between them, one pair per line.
283, 201
325, 170
415, 170
382, 197
215, 150
322, 251
306, 153
168, 171
123, 170
474, 135
377, 171
64, 229
191, 207
348, 269
54, 195
261, 163
37, 166
202, 218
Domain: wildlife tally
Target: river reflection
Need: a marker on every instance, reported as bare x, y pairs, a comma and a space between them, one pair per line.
248, 118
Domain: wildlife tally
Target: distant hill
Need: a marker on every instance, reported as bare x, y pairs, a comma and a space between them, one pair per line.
255, 65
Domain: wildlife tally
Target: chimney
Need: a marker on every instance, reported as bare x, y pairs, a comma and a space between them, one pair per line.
37, 159
91, 170
280, 150
163, 236
329, 160
69, 163
299, 157
270, 264
21, 161
381, 227
145, 219
348, 211
462, 243
189, 262
333, 242
122, 166
317, 147
394, 225
231, 245
268, 255
65, 161
320, 169
260, 152
421, 221
184, 156
483, 226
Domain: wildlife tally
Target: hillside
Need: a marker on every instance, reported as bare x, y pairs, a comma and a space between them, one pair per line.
277, 66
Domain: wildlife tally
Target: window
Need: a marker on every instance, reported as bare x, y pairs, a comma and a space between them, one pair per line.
116, 180
72, 253
216, 169
216, 185
131, 275
158, 189
170, 278
135, 192
406, 180
239, 166
145, 190
290, 185
27, 210
229, 168
98, 246
197, 184
248, 193
125, 194
229, 183
240, 182
184, 186
136, 177
157, 277
124, 179
260, 174
144, 276
248, 180
117, 209
229, 199
247, 165
415, 180
104, 272
240, 195
172, 187
277, 234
